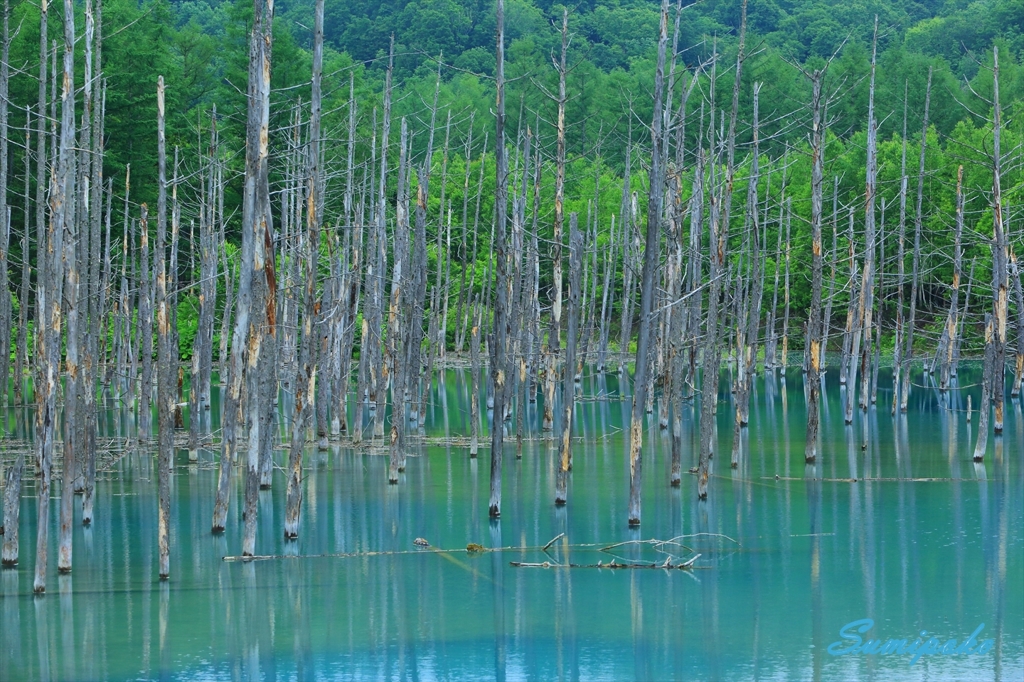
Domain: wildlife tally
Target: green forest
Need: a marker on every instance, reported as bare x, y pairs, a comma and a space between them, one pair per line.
443, 52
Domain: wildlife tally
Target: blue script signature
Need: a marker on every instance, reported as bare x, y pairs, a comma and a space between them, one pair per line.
924, 645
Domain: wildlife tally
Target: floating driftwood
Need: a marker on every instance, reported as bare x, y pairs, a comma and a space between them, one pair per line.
474, 548
686, 565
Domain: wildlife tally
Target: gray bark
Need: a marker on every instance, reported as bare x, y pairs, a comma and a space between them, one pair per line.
304, 376
647, 293
908, 348
498, 344
568, 381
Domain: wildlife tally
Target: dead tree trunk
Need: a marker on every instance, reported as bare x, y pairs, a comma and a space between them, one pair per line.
258, 221
1019, 296
304, 376
985, 406
785, 289
398, 318
62, 215
719, 244
208, 278
21, 343
1000, 255
65, 215
746, 327
647, 293
497, 347
474, 397
814, 321
377, 378
240, 337
167, 378
467, 155
568, 381
749, 360
865, 306
5, 213
897, 362
554, 335
908, 349
948, 339
96, 338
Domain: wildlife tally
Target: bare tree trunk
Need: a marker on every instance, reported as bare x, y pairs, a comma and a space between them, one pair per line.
51, 293
948, 339
378, 389
462, 247
123, 333
694, 267
1019, 296
240, 338
398, 317
749, 360
418, 297
13, 475
474, 397
628, 264
647, 293
985, 406
144, 333
1000, 255
166, 378
5, 214
785, 297
607, 298
258, 221
554, 335
304, 376
498, 344
814, 321
897, 361
208, 283
771, 343
21, 344
96, 339
65, 216
719, 244
568, 381
960, 332
865, 306
908, 351
746, 328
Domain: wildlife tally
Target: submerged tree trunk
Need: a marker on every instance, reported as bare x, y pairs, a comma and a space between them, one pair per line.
648, 274
497, 346
948, 339
166, 378
1019, 356
719, 227
474, 396
814, 321
568, 381
985, 406
309, 249
1000, 255
66, 217
50, 296
258, 221
865, 306
5, 214
908, 348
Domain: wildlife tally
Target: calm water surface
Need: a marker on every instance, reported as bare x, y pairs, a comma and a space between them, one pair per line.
923, 540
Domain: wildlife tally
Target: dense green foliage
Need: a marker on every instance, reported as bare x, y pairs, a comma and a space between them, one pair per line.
200, 47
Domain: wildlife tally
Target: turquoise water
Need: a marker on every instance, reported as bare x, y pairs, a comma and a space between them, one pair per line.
924, 540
